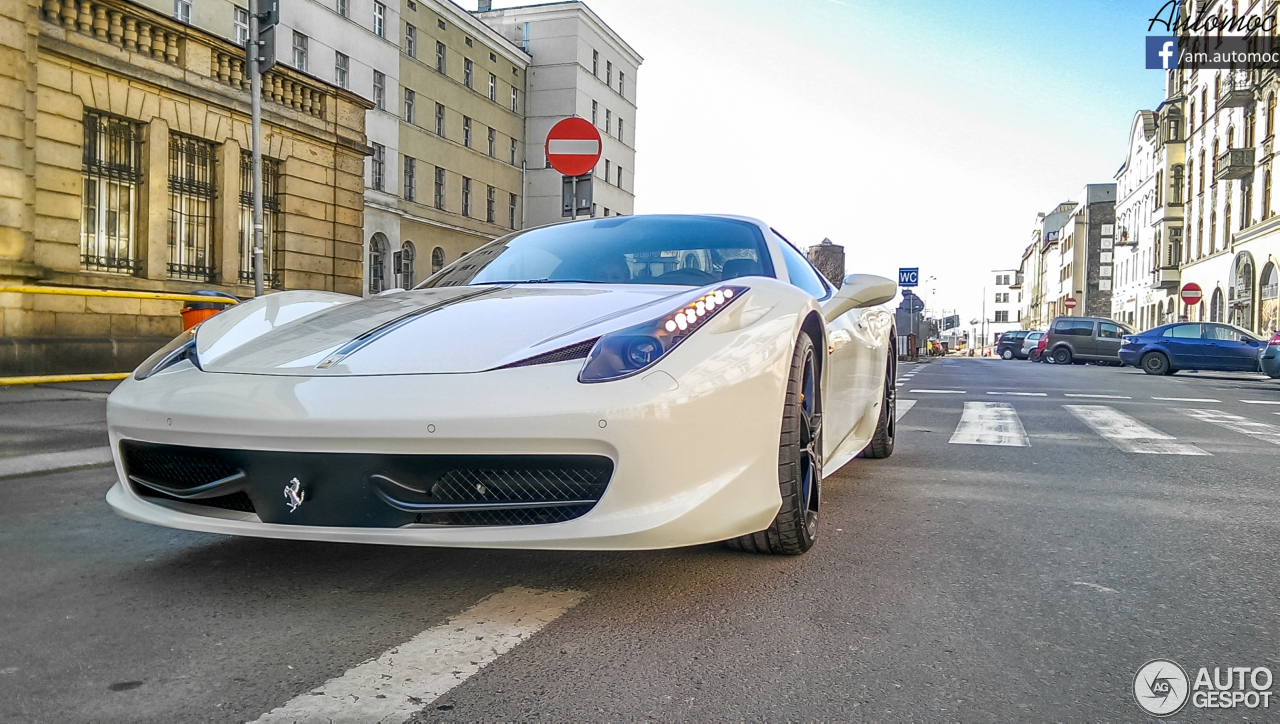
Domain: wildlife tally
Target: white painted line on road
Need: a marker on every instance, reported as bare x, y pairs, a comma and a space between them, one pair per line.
990, 423
1185, 399
1236, 423
1095, 586
941, 392
1128, 434
902, 407
1261, 402
1098, 397
1021, 394
404, 680
49, 462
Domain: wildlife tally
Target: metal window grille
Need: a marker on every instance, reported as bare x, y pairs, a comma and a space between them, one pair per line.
191, 195
468, 72
466, 196
409, 99
270, 217
112, 173
410, 179
511, 211
489, 205
379, 90
377, 164
439, 200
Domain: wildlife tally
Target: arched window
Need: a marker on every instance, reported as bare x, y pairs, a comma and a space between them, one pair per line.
1241, 294
405, 272
377, 263
1231, 137
1191, 116
1214, 180
1226, 225
437, 259
1266, 195
1213, 230
1159, 189
1200, 236
1269, 300
1204, 106
1216, 306
1201, 187
1271, 114
1175, 185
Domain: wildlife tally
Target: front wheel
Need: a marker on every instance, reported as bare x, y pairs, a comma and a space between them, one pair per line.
881, 445
1155, 363
1062, 356
795, 527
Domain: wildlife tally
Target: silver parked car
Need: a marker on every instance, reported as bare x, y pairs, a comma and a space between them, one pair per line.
1029, 346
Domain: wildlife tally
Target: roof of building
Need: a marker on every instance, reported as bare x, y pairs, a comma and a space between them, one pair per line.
568, 4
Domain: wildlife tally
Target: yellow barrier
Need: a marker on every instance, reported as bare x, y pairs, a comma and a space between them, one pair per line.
77, 292
80, 292
52, 379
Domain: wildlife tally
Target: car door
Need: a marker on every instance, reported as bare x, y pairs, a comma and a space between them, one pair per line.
1230, 349
1182, 343
1108, 340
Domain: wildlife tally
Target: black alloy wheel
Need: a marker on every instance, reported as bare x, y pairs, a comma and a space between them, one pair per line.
795, 527
1062, 356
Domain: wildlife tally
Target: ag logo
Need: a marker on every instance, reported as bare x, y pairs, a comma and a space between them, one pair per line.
1161, 687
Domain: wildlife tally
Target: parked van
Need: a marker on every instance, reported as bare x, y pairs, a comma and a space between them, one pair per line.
1085, 339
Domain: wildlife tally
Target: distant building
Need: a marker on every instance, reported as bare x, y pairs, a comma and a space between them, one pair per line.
829, 259
1002, 304
1081, 275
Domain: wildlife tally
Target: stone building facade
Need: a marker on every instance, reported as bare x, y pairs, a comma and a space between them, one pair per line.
124, 136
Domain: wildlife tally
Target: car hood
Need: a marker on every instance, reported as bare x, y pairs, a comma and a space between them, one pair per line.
443, 330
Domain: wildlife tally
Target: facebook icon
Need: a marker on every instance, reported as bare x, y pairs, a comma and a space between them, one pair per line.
1162, 52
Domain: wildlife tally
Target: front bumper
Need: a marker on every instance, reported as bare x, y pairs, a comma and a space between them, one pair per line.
691, 463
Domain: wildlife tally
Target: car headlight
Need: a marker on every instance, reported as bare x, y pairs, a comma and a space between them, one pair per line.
635, 349
182, 347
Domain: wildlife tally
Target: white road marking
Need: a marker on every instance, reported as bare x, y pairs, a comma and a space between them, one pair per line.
1098, 397
1185, 399
404, 680
902, 407
1128, 434
1021, 394
1096, 587
1261, 402
1236, 423
941, 392
990, 423
49, 462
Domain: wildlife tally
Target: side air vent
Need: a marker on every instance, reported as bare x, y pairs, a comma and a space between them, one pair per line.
579, 350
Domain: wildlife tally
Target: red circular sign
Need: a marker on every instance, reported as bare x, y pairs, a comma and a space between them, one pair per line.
573, 146
1069, 302
1191, 294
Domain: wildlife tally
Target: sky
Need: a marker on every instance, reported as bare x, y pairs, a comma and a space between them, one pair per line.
926, 133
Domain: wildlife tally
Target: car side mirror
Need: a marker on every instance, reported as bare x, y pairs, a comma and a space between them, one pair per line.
857, 292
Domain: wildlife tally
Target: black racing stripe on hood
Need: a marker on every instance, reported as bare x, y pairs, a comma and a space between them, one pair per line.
391, 325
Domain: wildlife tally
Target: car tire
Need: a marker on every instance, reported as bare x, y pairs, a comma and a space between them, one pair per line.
1007, 354
1062, 356
795, 527
881, 445
1034, 356
1155, 363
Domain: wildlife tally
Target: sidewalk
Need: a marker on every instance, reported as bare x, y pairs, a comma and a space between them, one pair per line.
45, 428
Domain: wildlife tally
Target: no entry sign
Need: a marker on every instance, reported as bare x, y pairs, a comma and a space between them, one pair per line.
573, 146
1191, 294
1069, 302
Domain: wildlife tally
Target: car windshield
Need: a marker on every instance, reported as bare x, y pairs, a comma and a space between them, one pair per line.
681, 250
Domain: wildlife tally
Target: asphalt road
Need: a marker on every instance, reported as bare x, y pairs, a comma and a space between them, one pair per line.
951, 581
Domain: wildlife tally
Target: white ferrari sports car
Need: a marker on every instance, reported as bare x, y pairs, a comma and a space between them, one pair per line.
629, 382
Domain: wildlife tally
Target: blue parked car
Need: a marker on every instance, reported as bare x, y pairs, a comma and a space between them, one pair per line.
1168, 348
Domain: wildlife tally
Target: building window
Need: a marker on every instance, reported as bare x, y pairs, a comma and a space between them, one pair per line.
1159, 189
466, 132
191, 194
379, 91
607, 169
437, 259
112, 175
410, 40
343, 8
619, 177
404, 269
240, 21
1002, 316
299, 51
622, 83
469, 42
620, 138
439, 194
493, 143
1266, 195
380, 20
1271, 114
342, 70
441, 66
466, 196
440, 120
182, 10
377, 263
493, 87
410, 179
515, 100
270, 210
595, 63
440, 24
468, 72
410, 100
513, 152
377, 165
608, 121
511, 211
608, 72
1202, 170
489, 201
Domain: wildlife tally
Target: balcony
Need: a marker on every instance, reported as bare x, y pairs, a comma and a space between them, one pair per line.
1236, 163
1236, 90
1167, 277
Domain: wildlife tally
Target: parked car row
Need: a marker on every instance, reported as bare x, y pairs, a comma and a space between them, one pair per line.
1161, 350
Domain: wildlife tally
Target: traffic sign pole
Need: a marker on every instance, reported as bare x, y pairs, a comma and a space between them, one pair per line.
573, 148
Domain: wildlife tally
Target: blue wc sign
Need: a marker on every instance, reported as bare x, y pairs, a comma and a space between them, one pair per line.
909, 277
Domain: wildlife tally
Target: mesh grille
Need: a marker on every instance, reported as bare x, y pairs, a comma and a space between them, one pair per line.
519, 486
564, 354
520, 516
181, 468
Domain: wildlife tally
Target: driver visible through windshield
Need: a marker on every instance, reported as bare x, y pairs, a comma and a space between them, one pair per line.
685, 251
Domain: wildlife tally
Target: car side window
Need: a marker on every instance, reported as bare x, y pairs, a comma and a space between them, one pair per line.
1073, 327
1223, 333
1109, 331
802, 273
1183, 331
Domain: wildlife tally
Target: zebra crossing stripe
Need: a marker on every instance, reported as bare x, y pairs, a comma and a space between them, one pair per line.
990, 423
902, 407
1128, 434
1236, 423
